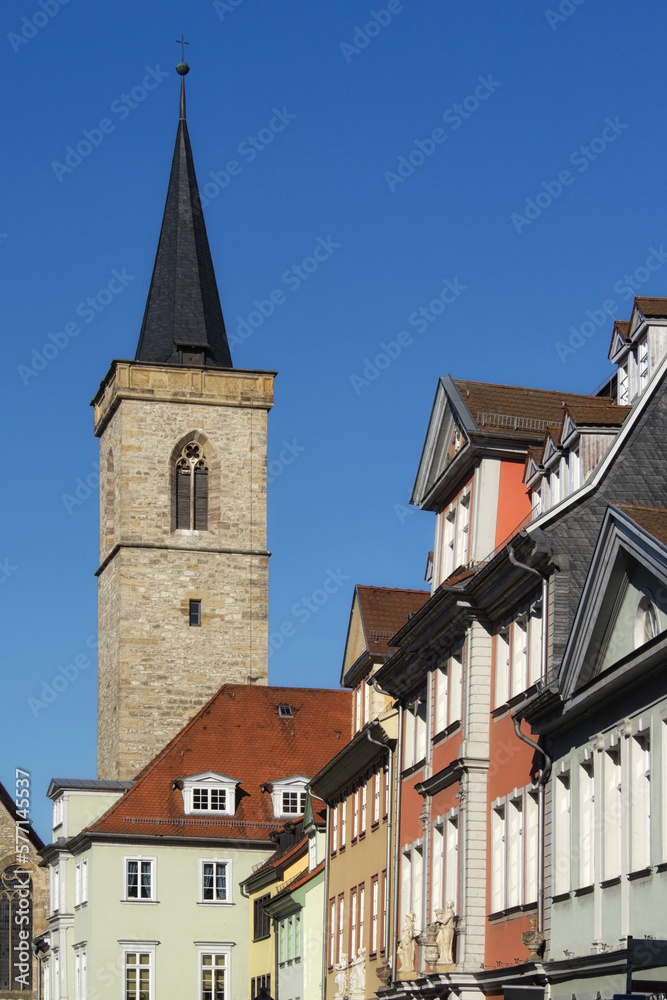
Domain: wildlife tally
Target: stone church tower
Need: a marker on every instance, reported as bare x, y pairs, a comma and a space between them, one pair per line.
183, 576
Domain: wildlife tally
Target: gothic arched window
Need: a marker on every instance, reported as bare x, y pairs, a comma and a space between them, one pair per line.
191, 488
15, 907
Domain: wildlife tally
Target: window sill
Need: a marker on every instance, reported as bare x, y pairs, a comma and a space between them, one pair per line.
584, 890
606, 882
214, 902
662, 867
264, 937
448, 731
509, 911
141, 902
560, 897
413, 768
375, 825
640, 873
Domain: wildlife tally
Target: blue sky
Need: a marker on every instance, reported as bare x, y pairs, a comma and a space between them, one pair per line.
502, 160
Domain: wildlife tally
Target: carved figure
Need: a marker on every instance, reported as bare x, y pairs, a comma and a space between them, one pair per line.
341, 977
445, 939
406, 946
358, 974
532, 939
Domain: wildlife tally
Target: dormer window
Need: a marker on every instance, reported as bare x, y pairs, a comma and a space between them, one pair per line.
209, 793
285, 711
288, 795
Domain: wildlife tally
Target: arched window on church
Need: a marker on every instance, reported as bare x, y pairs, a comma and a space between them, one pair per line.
191, 485
15, 902
646, 622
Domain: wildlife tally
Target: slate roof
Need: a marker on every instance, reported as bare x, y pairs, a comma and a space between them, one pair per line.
183, 307
652, 519
239, 732
385, 610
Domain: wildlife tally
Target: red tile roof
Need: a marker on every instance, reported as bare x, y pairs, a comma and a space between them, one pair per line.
385, 610
652, 307
457, 576
238, 733
652, 519
516, 410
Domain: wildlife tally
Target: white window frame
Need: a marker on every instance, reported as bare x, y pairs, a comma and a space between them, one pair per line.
613, 812
503, 666
206, 782
312, 851
586, 838
375, 913
455, 686
640, 795
531, 825
227, 901
498, 851
332, 931
58, 811
562, 832
355, 812
451, 859
216, 951
55, 887
514, 860
363, 807
138, 948
342, 826
441, 697
624, 383
46, 973
377, 791
415, 734
80, 971
296, 783
438, 866
643, 364
140, 859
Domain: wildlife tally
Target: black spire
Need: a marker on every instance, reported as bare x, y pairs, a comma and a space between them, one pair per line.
183, 321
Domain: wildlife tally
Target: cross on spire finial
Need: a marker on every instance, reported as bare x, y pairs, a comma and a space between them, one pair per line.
181, 41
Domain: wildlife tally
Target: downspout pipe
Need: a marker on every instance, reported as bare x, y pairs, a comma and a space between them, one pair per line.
397, 852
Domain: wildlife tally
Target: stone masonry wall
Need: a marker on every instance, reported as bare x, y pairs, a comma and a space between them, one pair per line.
155, 670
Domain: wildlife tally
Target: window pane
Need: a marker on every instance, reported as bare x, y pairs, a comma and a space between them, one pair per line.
132, 879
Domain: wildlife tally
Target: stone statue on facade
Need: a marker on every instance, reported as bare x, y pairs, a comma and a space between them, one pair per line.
445, 939
532, 939
358, 975
406, 945
340, 977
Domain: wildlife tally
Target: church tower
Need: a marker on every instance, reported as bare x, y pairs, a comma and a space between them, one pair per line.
183, 576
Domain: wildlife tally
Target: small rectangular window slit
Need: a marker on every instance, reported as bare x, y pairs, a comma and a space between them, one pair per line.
195, 612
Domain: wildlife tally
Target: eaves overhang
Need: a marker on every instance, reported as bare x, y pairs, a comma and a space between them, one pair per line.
83, 840
362, 665
367, 747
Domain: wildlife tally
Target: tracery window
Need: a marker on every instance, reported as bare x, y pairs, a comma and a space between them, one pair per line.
191, 488
15, 906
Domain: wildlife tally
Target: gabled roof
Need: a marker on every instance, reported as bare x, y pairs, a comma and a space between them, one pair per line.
239, 731
651, 307
183, 309
506, 417
623, 544
385, 610
376, 614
